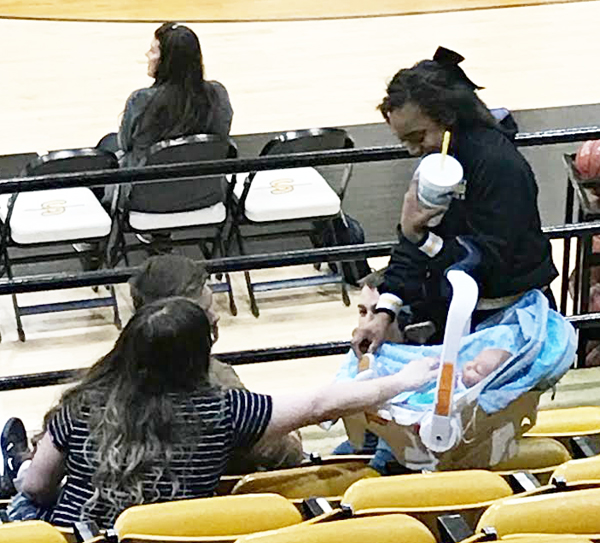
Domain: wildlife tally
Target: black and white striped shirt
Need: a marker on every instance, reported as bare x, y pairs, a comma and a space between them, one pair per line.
235, 418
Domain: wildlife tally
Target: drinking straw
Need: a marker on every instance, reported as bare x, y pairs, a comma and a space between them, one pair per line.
445, 145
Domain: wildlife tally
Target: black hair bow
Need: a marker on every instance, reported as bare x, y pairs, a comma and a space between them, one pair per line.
451, 60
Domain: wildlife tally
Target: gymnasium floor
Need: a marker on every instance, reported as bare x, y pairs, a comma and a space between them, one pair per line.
64, 84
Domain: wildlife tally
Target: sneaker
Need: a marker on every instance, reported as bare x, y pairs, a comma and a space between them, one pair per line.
14, 447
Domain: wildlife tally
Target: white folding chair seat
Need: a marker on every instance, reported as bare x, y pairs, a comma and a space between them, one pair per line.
215, 214
283, 195
52, 216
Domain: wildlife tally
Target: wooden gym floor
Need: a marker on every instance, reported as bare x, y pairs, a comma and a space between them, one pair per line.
64, 84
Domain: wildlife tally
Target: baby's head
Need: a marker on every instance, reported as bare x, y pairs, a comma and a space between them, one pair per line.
482, 365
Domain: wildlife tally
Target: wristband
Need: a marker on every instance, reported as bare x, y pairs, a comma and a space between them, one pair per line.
431, 245
387, 311
388, 303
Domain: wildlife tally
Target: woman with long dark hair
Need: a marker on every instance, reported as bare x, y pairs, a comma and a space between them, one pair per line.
179, 103
497, 210
146, 424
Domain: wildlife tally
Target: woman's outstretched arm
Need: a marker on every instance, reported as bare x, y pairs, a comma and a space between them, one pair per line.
41, 481
338, 399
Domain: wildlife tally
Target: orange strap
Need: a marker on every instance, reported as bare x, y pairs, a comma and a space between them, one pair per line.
444, 396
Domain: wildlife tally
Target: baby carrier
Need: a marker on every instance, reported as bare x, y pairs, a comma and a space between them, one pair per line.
449, 426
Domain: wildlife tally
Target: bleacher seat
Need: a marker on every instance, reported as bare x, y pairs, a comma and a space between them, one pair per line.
223, 518
380, 529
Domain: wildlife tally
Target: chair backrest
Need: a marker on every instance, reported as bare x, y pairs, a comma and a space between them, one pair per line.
223, 516
381, 528
72, 161
583, 469
305, 482
31, 531
309, 140
189, 193
567, 512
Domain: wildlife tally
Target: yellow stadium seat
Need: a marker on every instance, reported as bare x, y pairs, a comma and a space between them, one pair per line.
428, 495
536, 538
584, 469
329, 480
567, 422
538, 455
380, 528
223, 518
566, 512
32, 531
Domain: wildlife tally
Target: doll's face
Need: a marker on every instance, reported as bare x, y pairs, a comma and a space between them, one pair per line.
482, 365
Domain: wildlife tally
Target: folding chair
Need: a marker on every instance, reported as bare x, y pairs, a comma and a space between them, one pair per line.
382, 529
294, 198
57, 217
223, 518
196, 205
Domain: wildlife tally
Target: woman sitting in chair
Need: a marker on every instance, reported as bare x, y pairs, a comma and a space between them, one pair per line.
179, 103
145, 424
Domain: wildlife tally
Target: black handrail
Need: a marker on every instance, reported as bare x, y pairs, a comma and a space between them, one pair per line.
255, 356
64, 280
241, 165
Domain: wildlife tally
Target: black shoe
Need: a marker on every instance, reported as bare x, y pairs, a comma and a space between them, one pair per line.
14, 446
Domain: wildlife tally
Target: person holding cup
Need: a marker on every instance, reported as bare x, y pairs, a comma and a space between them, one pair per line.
494, 205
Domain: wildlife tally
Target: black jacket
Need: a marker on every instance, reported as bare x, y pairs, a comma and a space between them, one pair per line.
499, 213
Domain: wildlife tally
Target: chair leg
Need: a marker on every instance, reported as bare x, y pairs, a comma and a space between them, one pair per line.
218, 242
249, 286
15, 303
117, 315
344, 287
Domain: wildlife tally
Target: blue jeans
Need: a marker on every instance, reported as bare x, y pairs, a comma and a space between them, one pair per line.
382, 454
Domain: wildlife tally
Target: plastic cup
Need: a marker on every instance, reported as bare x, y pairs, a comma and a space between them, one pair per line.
438, 177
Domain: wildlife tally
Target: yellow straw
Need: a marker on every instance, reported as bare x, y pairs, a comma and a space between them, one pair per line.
445, 145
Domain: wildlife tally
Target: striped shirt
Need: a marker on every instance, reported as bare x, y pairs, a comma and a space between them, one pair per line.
235, 418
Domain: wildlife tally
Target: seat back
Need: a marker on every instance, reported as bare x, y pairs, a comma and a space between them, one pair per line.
189, 193
566, 512
428, 495
223, 517
310, 140
72, 161
567, 422
31, 531
381, 528
583, 469
305, 482
538, 455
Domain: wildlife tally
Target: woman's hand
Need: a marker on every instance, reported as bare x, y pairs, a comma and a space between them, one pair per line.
415, 217
418, 372
368, 338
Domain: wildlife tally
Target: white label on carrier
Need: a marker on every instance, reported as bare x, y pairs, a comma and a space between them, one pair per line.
502, 439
